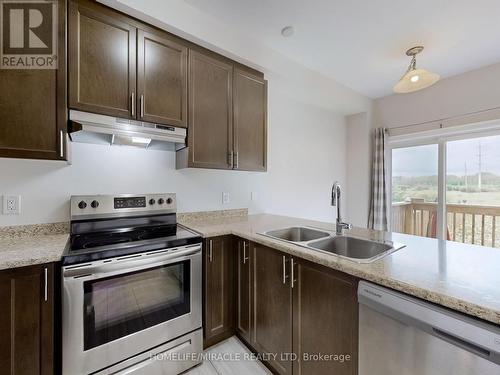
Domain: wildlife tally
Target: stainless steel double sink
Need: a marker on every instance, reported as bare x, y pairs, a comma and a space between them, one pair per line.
352, 248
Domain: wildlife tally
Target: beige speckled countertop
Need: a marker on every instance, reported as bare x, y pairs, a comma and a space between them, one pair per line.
20, 251
462, 277
26, 245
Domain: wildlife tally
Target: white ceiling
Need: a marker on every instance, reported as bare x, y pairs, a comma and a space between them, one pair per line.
361, 43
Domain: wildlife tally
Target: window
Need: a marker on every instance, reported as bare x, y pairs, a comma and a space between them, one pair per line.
415, 190
473, 190
465, 169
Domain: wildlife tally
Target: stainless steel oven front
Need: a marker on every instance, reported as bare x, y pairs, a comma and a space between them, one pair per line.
114, 309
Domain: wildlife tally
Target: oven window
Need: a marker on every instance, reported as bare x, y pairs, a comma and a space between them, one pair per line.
120, 305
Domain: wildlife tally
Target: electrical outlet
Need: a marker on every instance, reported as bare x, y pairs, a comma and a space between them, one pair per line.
254, 196
11, 204
225, 198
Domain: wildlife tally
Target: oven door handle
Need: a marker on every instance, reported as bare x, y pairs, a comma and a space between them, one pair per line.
129, 263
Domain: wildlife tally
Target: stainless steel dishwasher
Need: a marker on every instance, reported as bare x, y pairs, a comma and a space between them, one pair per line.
401, 335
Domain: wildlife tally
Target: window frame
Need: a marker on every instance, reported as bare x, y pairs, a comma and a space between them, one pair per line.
439, 137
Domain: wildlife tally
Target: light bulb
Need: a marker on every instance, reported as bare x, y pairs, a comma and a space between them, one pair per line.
140, 140
414, 78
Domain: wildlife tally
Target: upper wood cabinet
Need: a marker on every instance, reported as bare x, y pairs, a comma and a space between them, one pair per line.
218, 289
26, 320
33, 107
227, 127
161, 80
250, 121
104, 78
210, 130
102, 56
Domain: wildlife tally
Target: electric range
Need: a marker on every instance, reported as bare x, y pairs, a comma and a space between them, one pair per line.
131, 280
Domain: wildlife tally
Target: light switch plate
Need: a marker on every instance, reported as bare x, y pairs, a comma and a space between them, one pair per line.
225, 198
11, 204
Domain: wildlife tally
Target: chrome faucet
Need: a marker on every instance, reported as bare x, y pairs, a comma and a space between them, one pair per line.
336, 193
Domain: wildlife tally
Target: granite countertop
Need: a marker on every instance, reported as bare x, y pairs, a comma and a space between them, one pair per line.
28, 245
462, 277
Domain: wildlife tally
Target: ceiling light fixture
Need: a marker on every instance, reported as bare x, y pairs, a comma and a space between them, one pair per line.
287, 31
415, 79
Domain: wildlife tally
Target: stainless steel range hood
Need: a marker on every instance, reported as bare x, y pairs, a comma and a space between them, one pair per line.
92, 128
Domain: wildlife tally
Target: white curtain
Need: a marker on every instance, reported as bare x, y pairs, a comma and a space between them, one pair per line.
379, 202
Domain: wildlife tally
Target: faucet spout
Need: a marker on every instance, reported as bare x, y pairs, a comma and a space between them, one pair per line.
336, 195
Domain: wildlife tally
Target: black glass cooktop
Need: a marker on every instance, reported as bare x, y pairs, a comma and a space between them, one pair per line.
113, 237
92, 240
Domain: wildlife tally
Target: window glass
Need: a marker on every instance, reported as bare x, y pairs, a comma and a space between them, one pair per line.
473, 190
415, 190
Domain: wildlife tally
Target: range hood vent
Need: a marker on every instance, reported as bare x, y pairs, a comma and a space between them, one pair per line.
99, 129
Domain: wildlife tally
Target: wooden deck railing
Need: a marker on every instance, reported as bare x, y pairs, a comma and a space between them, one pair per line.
471, 224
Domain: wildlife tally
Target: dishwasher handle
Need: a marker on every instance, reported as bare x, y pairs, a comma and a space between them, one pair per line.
475, 336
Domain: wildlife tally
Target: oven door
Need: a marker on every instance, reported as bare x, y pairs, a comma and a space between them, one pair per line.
116, 308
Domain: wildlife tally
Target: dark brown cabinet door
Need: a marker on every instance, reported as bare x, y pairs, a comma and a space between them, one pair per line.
250, 121
26, 321
161, 80
244, 293
210, 130
102, 61
325, 319
33, 107
272, 305
218, 289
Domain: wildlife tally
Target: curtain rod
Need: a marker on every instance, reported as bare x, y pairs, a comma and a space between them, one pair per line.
444, 118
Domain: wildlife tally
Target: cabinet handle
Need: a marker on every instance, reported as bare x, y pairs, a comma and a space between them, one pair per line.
210, 250
236, 160
245, 258
292, 278
141, 101
230, 159
285, 276
46, 285
132, 107
61, 144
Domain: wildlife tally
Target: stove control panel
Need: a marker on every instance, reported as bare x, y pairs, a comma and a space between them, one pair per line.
130, 202
103, 205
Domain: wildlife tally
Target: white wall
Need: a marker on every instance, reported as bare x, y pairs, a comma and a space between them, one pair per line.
306, 153
477, 90
474, 91
306, 141
358, 168
181, 18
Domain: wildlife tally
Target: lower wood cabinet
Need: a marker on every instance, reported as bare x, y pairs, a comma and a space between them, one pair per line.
294, 310
272, 301
243, 290
325, 320
291, 309
218, 290
26, 320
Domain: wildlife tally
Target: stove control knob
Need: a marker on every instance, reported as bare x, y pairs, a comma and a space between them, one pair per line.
94, 204
161, 201
82, 205
169, 200
152, 201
